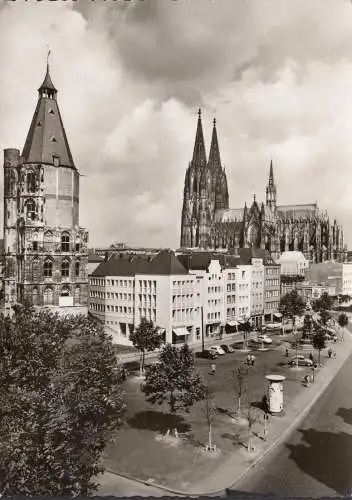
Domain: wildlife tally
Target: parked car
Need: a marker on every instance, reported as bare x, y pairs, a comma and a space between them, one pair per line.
227, 348
217, 350
302, 361
265, 339
206, 354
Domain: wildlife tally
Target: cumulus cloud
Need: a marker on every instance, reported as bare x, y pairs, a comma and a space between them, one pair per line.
131, 76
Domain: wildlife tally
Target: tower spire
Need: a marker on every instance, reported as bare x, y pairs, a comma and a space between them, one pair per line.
271, 188
214, 154
47, 88
271, 172
199, 155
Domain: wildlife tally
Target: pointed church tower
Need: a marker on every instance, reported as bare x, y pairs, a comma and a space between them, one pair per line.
46, 250
219, 194
195, 213
271, 189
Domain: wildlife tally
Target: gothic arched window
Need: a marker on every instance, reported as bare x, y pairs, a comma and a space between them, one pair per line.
77, 268
48, 296
31, 209
48, 268
65, 242
31, 184
65, 268
36, 270
35, 296
77, 294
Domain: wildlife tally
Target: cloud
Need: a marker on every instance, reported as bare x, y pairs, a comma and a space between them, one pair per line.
131, 76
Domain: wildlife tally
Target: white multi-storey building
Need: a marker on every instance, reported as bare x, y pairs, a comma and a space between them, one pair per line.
191, 297
124, 289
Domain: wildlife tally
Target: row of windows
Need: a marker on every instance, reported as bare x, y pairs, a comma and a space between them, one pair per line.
182, 283
231, 276
121, 283
231, 311
214, 289
272, 293
182, 314
214, 302
214, 315
272, 283
272, 270
243, 310
65, 268
272, 305
231, 287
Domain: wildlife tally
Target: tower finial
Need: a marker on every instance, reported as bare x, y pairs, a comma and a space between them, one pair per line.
47, 56
214, 122
199, 113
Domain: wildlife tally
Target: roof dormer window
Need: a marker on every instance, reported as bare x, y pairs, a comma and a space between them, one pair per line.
51, 112
53, 139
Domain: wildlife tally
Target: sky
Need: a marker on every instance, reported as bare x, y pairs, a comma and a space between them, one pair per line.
131, 75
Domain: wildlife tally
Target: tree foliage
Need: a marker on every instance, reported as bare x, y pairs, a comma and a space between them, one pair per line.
174, 379
307, 325
324, 316
145, 337
209, 411
324, 303
60, 402
319, 340
343, 320
240, 376
292, 304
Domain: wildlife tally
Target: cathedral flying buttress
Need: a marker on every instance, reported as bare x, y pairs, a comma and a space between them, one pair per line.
207, 222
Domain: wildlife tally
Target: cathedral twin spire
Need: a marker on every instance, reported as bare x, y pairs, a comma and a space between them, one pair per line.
199, 154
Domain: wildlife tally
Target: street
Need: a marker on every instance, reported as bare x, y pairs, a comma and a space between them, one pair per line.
317, 459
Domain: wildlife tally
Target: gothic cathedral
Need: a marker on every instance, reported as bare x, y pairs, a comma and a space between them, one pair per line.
45, 249
208, 223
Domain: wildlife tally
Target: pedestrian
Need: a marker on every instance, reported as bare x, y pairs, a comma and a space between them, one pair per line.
311, 357
252, 359
249, 359
306, 380
213, 368
286, 352
334, 354
330, 352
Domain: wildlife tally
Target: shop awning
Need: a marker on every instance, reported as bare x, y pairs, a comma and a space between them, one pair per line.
278, 315
180, 331
233, 323
241, 321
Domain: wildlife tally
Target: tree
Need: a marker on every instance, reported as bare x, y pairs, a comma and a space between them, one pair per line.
145, 338
60, 403
251, 419
343, 320
324, 303
240, 375
292, 305
174, 379
307, 326
209, 412
246, 330
319, 340
324, 316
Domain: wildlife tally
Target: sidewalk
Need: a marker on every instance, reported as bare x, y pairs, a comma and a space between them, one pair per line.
229, 473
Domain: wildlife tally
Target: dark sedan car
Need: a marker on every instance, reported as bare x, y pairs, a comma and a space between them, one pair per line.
206, 354
227, 348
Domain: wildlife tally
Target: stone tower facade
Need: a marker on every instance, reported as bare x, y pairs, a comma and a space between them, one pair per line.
207, 221
46, 251
205, 191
